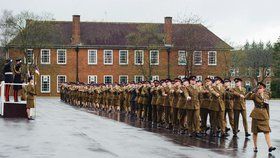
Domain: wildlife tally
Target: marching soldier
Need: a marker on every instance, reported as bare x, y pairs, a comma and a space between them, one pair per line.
228, 105
183, 94
175, 109
206, 99
239, 107
260, 115
155, 93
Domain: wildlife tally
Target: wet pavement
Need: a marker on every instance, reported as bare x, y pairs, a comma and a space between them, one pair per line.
62, 131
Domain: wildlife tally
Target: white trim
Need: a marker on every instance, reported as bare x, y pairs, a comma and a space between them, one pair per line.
112, 53
215, 58
65, 56
49, 84
95, 76
194, 57
157, 57
182, 76
57, 81
155, 77
199, 78
142, 57
211, 76
138, 76
186, 54
123, 76
49, 56
108, 76
127, 52
92, 50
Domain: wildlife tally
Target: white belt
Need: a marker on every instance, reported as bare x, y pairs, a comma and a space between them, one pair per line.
8, 73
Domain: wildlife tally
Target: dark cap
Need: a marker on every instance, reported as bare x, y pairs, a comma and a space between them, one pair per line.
177, 80
261, 84
208, 79
186, 80
168, 80
192, 78
237, 80
29, 79
227, 80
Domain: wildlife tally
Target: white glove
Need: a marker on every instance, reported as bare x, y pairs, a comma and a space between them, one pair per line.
189, 98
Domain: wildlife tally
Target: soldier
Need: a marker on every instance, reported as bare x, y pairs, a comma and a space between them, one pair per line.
175, 109
133, 98
228, 104
159, 102
30, 97
155, 93
193, 108
17, 79
218, 107
8, 77
206, 99
260, 115
167, 101
182, 105
239, 107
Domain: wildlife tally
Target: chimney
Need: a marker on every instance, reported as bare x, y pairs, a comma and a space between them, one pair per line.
168, 30
76, 30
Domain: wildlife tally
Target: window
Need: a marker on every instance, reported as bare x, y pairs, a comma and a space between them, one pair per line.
60, 79
154, 57
182, 77
212, 58
197, 58
92, 57
268, 84
138, 78
108, 57
61, 56
247, 83
30, 56
123, 57
139, 57
92, 79
211, 77
182, 57
199, 78
45, 56
123, 79
232, 72
45, 83
108, 79
232, 84
268, 72
155, 77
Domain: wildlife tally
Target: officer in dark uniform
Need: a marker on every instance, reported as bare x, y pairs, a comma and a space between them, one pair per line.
17, 79
8, 77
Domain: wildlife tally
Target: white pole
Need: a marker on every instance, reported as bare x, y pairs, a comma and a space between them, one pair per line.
2, 97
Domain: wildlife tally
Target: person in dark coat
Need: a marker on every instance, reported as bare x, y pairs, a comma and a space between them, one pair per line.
8, 77
17, 79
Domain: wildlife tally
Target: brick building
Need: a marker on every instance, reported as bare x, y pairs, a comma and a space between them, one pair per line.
105, 55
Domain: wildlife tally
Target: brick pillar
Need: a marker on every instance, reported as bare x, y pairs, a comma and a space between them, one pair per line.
76, 30
168, 30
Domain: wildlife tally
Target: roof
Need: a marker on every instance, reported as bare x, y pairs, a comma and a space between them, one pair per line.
187, 36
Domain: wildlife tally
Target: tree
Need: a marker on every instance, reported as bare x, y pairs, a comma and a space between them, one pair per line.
275, 84
27, 30
150, 37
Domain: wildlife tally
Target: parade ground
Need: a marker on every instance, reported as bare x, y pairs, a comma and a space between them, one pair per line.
62, 131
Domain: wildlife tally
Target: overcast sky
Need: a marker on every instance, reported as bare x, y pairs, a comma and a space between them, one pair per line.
235, 21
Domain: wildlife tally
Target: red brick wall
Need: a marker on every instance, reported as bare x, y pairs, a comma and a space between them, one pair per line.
100, 69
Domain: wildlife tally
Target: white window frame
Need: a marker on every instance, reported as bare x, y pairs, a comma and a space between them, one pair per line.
104, 56
123, 76
65, 53
247, 83
32, 56
108, 76
232, 72
268, 85
211, 77
94, 76
199, 78
143, 57
89, 53
126, 57
57, 84
186, 57
232, 84
215, 52
135, 76
41, 78
182, 77
155, 77
153, 51
41, 52
195, 57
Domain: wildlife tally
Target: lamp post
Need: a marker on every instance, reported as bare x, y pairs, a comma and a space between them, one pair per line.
168, 49
77, 62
